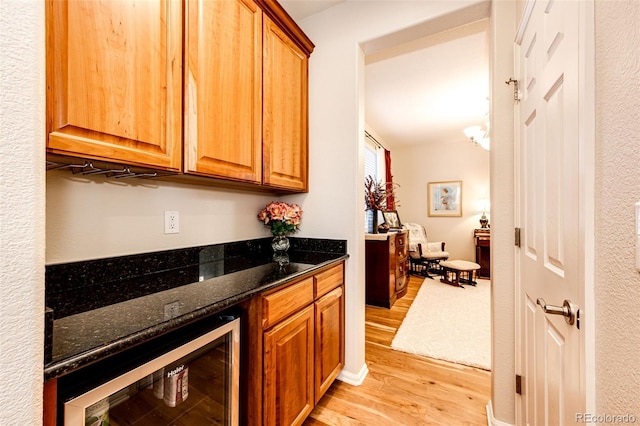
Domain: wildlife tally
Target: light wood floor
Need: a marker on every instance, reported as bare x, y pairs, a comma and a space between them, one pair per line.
404, 389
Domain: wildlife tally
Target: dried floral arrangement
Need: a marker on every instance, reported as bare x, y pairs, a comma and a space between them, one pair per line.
375, 194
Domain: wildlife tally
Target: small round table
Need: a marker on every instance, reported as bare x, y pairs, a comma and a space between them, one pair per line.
453, 272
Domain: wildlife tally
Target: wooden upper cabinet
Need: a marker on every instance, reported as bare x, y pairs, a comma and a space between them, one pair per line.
285, 110
223, 89
118, 91
114, 81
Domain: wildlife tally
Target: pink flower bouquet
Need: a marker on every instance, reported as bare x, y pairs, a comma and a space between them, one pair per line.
283, 218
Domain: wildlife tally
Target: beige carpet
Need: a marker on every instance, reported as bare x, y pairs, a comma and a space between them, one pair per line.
449, 323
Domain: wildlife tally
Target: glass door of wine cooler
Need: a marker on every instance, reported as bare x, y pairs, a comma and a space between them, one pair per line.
194, 384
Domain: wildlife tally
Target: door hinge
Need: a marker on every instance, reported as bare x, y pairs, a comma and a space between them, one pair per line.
516, 88
517, 237
518, 384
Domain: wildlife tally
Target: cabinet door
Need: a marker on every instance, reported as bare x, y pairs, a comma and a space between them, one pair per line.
288, 370
114, 81
285, 126
329, 345
223, 89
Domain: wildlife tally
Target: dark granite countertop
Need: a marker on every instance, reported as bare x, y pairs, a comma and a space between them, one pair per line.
138, 310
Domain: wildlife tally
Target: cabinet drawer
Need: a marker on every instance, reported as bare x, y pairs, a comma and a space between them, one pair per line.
402, 267
401, 244
282, 303
483, 242
401, 283
328, 280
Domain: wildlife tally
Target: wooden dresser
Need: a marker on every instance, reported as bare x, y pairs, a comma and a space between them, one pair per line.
387, 267
482, 239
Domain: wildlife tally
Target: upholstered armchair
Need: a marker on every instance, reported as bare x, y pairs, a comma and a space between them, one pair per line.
424, 256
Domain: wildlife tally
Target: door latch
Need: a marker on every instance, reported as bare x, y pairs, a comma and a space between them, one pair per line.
516, 88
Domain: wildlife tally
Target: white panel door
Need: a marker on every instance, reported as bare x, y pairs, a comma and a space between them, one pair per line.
551, 257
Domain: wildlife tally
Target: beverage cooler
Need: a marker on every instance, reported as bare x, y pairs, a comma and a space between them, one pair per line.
195, 383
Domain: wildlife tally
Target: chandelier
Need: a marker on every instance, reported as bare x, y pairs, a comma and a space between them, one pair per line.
478, 136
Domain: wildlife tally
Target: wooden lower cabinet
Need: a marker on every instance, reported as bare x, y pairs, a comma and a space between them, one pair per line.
386, 268
293, 353
49, 402
482, 239
329, 342
302, 357
288, 370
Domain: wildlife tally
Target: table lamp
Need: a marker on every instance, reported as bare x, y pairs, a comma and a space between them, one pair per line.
484, 206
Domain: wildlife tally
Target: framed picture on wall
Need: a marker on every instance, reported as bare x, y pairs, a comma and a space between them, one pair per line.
445, 198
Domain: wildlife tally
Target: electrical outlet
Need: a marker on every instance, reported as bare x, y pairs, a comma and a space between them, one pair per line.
171, 310
171, 222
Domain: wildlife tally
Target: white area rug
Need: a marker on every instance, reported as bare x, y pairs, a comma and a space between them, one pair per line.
449, 323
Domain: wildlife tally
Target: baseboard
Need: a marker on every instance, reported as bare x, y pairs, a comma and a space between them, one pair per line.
491, 420
354, 379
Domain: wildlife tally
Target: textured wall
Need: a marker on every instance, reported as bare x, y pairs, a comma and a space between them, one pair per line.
21, 211
617, 288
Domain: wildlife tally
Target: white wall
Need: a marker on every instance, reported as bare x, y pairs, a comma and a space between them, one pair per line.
22, 90
93, 217
617, 285
456, 160
504, 18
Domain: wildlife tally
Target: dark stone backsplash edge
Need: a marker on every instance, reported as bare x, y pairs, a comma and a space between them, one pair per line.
75, 287
317, 245
65, 276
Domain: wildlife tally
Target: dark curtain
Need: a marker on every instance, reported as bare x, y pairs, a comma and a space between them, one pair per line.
391, 205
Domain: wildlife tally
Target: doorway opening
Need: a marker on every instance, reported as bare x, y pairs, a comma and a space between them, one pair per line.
422, 97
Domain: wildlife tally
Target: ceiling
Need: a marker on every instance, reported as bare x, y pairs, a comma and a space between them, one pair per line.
300, 9
427, 90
